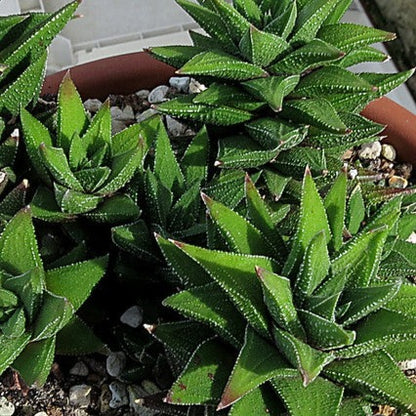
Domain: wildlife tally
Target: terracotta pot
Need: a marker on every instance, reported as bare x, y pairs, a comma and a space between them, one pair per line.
125, 74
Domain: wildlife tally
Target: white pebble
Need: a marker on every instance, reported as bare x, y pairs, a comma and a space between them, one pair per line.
389, 152
158, 94
408, 365
79, 369
79, 396
353, 173
132, 317
180, 83
412, 238
398, 182
119, 396
175, 128
6, 408
370, 151
196, 87
41, 414
93, 105
115, 363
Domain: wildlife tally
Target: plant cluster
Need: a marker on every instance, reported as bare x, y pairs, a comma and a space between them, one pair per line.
288, 291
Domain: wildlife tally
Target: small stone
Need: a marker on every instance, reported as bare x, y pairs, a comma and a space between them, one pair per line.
128, 113
353, 173
146, 114
143, 94
119, 395
412, 238
175, 128
6, 408
104, 399
180, 83
149, 387
158, 94
117, 126
80, 412
347, 155
388, 152
79, 395
196, 87
132, 317
41, 414
116, 113
79, 369
115, 363
404, 170
370, 151
92, 105
407, 365
398, 182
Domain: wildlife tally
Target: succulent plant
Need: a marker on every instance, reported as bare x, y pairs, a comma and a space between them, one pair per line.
304, 321
167, 192
37, 306
83, 168
279, 71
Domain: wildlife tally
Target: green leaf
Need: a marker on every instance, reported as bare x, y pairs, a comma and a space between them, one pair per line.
250, 10
166, 168
252, 369
53, 315
272, 89
376, 374
354, 407
74, 202
294, 161
45, 207
338, 12
283, 24
363, 301
314, 267
277, 296
99, 130
8, 147
203, 379
55, 160
183, 107
302, 401
72, 117
307, 360
77, 338
35, 361
335, 206
35, 133
272, 133
76, 281
15, 199
350, 36
312, 220
310, 19
115, 210
404, 301
221, 65
194, 161
259, 401
175, 55
24, 88
219, 94
91, 179
15, 325
235, 274
261, 48
207, 304
10, 348
317, 112
210, 22
355, 210
190, 272
18, 247
123, 167
386, 82
362, 55
325, 334
310, 56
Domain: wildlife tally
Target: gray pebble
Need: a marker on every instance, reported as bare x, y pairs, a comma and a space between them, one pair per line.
389, 152
117, 126
180, 83
143, 94
370, 151
6, 408
119, 395
175, 128
79, 369
398, 182
136, 395
132, 317
149, 387
115, 363
128, 113
79, 395
92, 105
158, 94
104, 399
145, 115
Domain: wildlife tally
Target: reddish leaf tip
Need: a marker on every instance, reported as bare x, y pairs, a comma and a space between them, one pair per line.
24, 185
150, 328
177, 243
218, 163
207, 200
308, 171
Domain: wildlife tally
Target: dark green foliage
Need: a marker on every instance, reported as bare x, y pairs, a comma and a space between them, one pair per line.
318, 318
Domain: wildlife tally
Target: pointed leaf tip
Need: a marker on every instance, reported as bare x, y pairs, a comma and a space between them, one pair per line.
150, 328
207, 200
308, 171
